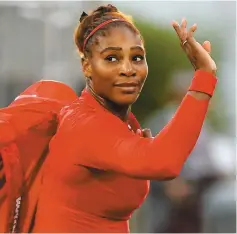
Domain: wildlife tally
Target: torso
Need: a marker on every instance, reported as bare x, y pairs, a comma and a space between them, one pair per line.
79, 199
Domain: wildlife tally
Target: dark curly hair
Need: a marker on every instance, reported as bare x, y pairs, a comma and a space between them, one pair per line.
95, 18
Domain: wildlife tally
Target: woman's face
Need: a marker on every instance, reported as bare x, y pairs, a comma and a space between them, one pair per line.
117, 66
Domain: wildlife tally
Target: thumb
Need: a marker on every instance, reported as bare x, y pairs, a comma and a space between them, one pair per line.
207, 46
147, 133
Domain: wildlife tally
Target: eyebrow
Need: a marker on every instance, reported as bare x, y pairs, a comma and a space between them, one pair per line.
137, 47
111, 48
119, 48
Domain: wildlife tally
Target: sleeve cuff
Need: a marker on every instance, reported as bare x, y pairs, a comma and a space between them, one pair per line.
203, 82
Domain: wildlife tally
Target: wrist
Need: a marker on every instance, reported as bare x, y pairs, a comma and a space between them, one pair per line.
213, 72
203, 82
199, 95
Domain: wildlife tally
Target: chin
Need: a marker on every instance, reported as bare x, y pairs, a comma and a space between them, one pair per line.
126, 99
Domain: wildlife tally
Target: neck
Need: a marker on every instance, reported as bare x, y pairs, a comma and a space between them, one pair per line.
120, 111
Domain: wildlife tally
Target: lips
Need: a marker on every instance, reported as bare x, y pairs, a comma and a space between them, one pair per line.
128, 87
127, 84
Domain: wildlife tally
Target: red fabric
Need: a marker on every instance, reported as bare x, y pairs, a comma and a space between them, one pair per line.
205, 85
97, 172
26, 127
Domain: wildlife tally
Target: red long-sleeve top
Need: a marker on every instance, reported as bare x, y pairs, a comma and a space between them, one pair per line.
98, 170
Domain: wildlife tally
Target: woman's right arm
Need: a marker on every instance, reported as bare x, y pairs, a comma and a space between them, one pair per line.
106, 143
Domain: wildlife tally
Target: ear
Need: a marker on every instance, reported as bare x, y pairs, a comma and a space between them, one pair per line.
86, 67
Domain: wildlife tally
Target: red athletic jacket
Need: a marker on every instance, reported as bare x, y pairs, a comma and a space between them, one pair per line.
26, 127
98, 170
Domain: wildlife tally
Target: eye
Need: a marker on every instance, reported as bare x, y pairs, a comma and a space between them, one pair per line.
111, 58
138, 58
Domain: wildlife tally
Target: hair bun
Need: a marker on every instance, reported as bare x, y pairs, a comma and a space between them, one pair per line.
104, 9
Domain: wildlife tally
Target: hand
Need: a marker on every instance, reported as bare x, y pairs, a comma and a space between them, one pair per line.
199, 55
146, 132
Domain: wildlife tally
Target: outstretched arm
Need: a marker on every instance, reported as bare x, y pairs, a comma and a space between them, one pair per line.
107, 144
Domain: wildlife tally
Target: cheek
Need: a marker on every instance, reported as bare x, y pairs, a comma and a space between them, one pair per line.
101, 69
143, 73
102, 76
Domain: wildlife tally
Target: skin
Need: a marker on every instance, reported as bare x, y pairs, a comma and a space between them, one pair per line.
113, 64
199, 55
120, 59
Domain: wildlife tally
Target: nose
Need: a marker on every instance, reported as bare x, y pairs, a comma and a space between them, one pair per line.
127, 69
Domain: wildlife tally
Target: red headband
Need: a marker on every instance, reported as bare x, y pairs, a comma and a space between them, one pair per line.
97, 28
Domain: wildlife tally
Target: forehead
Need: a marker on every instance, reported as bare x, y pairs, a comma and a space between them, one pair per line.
118, 37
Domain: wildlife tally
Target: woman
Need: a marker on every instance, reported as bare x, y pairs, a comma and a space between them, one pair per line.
100, 162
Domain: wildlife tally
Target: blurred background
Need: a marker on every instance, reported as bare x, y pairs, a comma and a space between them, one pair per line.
37, 43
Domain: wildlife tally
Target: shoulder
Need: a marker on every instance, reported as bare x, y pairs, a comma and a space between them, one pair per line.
82, 118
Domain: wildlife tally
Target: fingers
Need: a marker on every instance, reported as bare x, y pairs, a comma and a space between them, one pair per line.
144, 133
190, 37
139, 132
194, 50
183, 27
184, 23
180, 29
187, 41
207, 46
176, 27
192, 30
